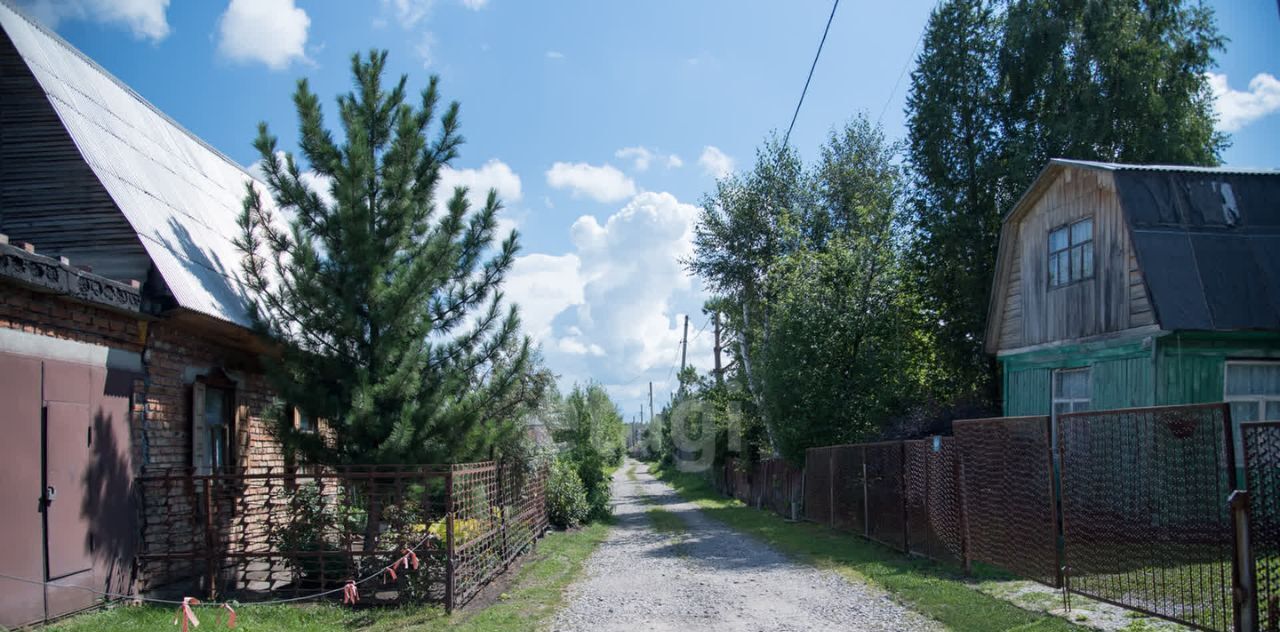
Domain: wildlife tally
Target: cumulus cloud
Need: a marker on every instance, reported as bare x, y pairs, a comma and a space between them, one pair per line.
612, 309
494, 174
273, 32
642, 158
144, 18
1238, 108
604, 183
715, 162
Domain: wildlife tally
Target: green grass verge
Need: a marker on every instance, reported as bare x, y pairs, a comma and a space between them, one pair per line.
926, 587
536, 593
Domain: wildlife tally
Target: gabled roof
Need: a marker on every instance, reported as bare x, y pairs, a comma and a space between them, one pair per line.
179, 194
1207, 240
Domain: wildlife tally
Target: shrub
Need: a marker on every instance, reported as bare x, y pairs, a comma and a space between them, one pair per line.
566, 497
595, 484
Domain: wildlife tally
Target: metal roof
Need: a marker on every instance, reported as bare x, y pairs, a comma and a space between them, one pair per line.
1116, 166
1208, 244
181, 196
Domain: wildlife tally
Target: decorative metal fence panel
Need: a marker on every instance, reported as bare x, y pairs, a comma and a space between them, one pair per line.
1145, 517
886, 509
1007, 482
275, 532
935, 518
1262, 476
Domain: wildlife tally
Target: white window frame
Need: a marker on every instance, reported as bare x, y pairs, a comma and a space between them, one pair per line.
1260, 400
1054, 400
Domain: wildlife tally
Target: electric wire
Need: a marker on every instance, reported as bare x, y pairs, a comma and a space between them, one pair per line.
786, 139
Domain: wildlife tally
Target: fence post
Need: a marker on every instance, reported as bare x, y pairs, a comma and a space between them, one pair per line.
211, 571
449, 566
1051, 426
866, 504
1243, 580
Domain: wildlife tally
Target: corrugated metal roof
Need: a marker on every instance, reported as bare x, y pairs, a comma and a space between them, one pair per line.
179, 194
1116, 166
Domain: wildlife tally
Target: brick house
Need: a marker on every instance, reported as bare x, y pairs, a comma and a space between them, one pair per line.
124, 340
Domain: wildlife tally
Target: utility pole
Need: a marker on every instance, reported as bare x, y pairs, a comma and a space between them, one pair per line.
651, 401
715, 319
684, 342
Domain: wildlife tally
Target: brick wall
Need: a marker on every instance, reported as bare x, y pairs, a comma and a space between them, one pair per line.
48, 315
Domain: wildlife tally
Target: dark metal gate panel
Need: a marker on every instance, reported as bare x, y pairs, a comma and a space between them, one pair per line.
1144, 507
817, 485
1262, 474
848, 503
933, 500
67, 442
1007, 482
886, 513
21, 553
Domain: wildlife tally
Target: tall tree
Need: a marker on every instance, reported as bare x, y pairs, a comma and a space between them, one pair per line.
952, 150
386, 312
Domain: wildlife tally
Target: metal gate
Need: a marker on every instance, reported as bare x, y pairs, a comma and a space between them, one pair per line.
1262, 477
67, 501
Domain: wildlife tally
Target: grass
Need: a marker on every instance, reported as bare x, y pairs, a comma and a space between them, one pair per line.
927, 587
631, 473
535, 594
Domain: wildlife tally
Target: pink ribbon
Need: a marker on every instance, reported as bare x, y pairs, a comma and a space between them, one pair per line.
391, 570
410, 558
350, 594
231, 615
185, 614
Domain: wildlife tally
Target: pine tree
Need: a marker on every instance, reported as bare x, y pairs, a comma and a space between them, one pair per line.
385, 312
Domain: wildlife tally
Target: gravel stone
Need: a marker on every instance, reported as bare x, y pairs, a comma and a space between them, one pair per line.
711, 577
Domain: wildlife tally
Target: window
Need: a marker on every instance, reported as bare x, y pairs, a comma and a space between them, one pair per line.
1071, 253
1071, 391
303, 422
213, 404
1253, 390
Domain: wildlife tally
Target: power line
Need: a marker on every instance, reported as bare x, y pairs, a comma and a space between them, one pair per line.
787, 138
906, 64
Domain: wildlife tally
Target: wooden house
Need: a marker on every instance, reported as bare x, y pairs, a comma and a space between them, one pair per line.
124, 339
1123, 286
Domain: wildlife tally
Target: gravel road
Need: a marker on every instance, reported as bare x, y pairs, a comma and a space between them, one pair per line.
710, 577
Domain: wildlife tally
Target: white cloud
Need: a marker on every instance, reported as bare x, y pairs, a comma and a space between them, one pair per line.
475, 5
425, 48
674, 162
612, 308
715, 162
555, 54
543, 286
603, 184
273, 32
640, 157
144, 18
1238, 108
494, 174
408, 13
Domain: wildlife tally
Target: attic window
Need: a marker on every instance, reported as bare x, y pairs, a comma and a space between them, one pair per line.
1071, 253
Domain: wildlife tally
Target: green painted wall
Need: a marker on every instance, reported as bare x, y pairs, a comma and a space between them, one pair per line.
1183, 368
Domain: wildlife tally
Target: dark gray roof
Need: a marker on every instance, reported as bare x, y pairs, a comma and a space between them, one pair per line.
1208, 243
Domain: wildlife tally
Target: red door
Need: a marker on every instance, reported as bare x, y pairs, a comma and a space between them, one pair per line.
21, 548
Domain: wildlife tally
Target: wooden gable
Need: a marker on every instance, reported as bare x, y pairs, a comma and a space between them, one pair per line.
1025, 311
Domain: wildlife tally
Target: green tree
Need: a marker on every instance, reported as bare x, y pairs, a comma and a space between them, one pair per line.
591, 428
386, 314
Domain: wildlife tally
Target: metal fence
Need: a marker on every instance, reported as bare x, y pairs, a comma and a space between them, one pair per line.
1010, 504
1144, 511
1134, 507
275, 532
1262, 479
770, 484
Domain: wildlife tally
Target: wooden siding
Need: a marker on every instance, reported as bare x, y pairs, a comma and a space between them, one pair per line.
48, 194
1114, 300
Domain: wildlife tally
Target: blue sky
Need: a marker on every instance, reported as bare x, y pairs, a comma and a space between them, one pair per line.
601, 123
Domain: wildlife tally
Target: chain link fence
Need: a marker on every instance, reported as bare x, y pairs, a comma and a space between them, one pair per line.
1262, 476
